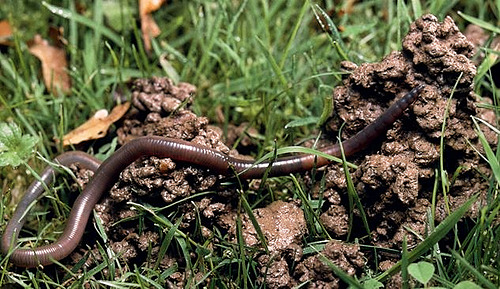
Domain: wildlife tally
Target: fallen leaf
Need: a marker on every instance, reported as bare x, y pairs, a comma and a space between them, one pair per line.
97, 126
149, 27
5, 32
54, 65
56, 35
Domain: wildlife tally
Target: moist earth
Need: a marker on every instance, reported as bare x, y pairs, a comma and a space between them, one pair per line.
394, 178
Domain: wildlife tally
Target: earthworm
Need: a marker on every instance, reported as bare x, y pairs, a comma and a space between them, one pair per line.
107, 173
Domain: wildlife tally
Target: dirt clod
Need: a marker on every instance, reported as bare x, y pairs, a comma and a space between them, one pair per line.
282, 223
395, 177
345, 256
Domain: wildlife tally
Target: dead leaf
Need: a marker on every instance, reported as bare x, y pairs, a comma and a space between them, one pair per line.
54, 65
97, 126
5, 32
149, 27
56, 35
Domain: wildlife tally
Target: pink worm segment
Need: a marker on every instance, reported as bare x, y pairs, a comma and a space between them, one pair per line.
107, 173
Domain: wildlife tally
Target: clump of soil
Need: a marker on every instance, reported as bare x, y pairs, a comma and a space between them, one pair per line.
282, 224
394, 179
346, 257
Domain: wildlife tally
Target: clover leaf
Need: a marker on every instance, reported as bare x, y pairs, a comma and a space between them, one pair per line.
15, 148
422, 271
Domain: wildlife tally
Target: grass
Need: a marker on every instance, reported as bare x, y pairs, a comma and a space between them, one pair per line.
259, 62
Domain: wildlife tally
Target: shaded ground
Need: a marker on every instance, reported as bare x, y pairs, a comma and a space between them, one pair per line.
395, 175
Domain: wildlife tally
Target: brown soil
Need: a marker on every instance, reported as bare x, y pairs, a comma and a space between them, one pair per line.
394, 179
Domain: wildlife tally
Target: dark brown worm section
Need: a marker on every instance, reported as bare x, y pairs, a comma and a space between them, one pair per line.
107, 173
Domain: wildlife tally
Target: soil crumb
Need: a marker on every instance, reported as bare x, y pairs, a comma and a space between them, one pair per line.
346, 257
283, 226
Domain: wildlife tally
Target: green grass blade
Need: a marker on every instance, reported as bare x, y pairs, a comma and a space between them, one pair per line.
341, 274
303, 150
302, 122
404, 264
251, 216
417, 8
166, 242
284, 56
485, 282
274, 65
481, 23
335, 38
327, 110
68, 14
490, 60
353, 196
242, 268
490, 155
309, 211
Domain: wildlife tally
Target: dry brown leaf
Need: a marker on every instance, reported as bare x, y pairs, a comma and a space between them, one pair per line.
149, 27
54, 65
97, 126
56, 35
5, 32
148, 6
